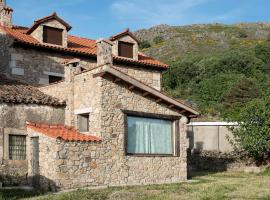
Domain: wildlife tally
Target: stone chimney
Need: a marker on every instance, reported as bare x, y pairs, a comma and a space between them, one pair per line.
104, 52
5, 14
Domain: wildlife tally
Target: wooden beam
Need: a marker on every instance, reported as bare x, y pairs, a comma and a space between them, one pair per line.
183, 111
117, 80
131, 87
99, 74
145, 94
158, 100
171, 106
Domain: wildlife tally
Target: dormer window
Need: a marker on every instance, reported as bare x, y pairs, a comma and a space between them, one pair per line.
52, 35
125, 49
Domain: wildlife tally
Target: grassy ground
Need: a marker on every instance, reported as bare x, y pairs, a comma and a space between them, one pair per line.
225, 185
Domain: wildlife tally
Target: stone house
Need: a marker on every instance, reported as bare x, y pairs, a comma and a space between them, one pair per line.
78, 112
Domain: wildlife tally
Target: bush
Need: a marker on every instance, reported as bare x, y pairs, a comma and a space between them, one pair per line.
242, 34
253, 133
158, 39
145, 44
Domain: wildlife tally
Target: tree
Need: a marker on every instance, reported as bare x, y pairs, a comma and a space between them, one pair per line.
145, 44
158, 39
253, 133
243, 91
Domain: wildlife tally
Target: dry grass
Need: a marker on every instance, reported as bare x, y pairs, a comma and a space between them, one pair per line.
225, 185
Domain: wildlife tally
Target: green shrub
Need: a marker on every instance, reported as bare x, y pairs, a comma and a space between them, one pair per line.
242, 34
253, 133
158, 39
145, 44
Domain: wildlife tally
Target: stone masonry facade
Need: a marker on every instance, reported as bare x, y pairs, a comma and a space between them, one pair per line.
97, 85
12, 121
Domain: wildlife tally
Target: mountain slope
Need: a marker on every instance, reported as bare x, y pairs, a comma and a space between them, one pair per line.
174, 42
217, 67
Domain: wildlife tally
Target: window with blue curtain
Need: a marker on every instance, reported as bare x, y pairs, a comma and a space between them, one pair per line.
149, 136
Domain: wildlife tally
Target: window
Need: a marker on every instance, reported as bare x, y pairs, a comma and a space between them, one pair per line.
125, 49
17, 147
52, 35
83, 122
53, 79
149, 136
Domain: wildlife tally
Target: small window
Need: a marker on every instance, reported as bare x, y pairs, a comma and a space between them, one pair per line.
125, 49
149, 136
53, 79
83, 122
17, 147
52, 35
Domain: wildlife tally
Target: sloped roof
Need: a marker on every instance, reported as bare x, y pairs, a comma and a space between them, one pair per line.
66, 133
183, 108
47, 18
79, 46
125, 32
13, 91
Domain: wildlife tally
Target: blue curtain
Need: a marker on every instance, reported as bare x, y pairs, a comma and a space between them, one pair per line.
149, 136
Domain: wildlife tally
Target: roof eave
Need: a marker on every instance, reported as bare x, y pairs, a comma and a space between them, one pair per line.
184, 109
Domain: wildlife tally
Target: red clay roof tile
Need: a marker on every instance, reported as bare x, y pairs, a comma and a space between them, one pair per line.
78, 45
14, 91
125, 32
47, 18
66, 133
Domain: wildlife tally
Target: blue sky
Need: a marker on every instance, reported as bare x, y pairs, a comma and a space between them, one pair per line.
102, 18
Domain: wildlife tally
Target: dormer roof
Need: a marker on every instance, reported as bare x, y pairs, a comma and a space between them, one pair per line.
124, 33
79, 46
53, 16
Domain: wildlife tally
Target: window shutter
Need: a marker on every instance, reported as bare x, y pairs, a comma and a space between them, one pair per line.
125, 49
52, 35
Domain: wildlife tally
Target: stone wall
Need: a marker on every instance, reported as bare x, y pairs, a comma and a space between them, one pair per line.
214, 161
33, 66
78, 164
133, 169
5, 42
149, 77
13, 121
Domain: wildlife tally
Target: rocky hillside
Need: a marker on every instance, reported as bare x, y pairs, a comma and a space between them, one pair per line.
169, 43
215, 67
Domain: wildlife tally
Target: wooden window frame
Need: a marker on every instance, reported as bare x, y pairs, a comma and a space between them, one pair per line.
175, 130
88, 123
120, 50
48, 41
9, 146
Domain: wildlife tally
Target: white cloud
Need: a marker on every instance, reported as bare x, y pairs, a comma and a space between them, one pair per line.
153, 12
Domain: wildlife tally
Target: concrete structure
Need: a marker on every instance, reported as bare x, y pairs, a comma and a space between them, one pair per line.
95, 90
210, 136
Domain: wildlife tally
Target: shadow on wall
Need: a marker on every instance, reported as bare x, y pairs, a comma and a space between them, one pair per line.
39, 183
209, 161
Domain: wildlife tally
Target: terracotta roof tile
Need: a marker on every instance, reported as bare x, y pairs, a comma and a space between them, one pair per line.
66, 133
125, 32
13, 91
47, 18
78, 45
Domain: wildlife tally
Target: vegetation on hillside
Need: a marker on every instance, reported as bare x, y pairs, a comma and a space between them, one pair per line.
221, 84
218, 68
